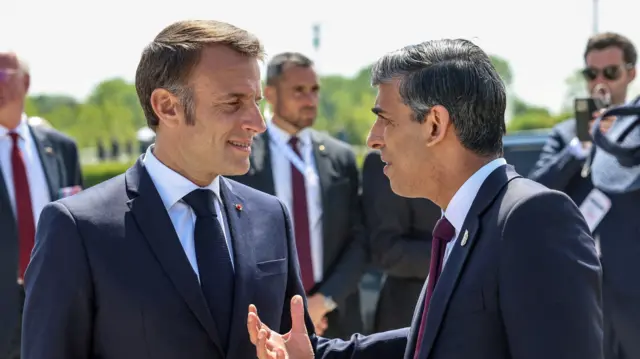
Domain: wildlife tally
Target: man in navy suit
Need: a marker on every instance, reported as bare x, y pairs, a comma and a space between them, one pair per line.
163, 261
514, 272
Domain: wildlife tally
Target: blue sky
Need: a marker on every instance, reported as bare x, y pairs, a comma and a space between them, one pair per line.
72, 45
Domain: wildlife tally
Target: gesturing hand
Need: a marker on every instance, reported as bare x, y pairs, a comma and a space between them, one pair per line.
270, 345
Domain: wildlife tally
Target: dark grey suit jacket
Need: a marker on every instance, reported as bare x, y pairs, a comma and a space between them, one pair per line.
344, 255
59, 156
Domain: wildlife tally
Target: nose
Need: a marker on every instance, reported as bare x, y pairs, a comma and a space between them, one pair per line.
375, 140
311, 100
255, 121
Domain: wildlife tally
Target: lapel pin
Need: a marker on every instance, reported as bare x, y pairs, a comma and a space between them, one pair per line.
239, 207
48, 150
465, 238
321, 148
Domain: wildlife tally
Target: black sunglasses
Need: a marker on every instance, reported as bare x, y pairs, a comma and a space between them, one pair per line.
611, 72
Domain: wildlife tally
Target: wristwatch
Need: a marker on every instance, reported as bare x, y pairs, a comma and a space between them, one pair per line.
329, 304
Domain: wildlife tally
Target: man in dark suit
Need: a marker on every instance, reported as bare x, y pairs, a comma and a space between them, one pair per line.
514, 271
37, 165
564, 165
399, 233
317, 178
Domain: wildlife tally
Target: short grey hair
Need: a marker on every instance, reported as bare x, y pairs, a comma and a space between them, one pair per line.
458, 75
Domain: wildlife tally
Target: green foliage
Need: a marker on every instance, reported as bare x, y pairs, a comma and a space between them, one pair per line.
503, 68
535, 118
111, 111
96, 173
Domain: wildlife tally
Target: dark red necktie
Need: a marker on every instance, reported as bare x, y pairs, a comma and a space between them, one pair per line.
24, 210
443, 232
301, 221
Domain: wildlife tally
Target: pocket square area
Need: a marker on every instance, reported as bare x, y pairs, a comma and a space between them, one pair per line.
68, 191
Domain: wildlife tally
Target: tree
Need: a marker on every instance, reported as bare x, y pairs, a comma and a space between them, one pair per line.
503, 68
576, 87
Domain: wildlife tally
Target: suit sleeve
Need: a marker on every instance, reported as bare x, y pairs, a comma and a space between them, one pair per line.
57, 321
550, 281
384, 345
557, 164
345, 277
388, 219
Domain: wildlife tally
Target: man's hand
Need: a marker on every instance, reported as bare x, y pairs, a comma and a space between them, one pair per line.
606, 122
322, 326
318, 311
270, 345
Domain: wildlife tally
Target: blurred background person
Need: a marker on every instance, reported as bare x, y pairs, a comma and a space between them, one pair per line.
565, 165
38, 165
399, 240
610, 61
316, 176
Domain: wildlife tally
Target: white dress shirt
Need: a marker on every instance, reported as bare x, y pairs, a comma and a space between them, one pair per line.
461, 202
171, 187
281, 168
38, 185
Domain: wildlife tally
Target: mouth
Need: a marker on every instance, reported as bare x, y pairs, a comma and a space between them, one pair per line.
244, 146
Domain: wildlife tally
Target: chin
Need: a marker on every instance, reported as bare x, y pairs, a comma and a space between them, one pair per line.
403, 189
238, 169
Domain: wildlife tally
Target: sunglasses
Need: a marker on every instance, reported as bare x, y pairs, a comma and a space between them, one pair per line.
611, 72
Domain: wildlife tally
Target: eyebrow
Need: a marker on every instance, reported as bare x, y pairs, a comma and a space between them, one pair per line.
238, 95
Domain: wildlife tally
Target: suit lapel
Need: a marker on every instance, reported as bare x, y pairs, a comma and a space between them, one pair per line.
323, 164
455, 264
261, 164
238, 214
154, 222
50, 161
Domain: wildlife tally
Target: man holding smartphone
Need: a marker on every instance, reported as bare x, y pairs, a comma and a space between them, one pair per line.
610, 61
565, 164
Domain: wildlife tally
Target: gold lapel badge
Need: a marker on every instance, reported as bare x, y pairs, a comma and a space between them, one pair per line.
48, 150
321, 148
465, 238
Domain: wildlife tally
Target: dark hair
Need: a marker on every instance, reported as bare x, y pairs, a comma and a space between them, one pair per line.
169, 59
281, 62
458, 75
611, 39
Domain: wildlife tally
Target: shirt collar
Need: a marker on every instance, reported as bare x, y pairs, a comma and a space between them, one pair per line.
282, 137
22, 129
171, 185
461, 202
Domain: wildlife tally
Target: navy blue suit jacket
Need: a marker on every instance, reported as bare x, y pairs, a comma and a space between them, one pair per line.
522, 282
109, 278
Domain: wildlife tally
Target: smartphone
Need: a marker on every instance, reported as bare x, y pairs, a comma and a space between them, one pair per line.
584, 109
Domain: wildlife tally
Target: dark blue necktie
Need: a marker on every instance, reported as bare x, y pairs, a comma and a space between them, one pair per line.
214, 261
